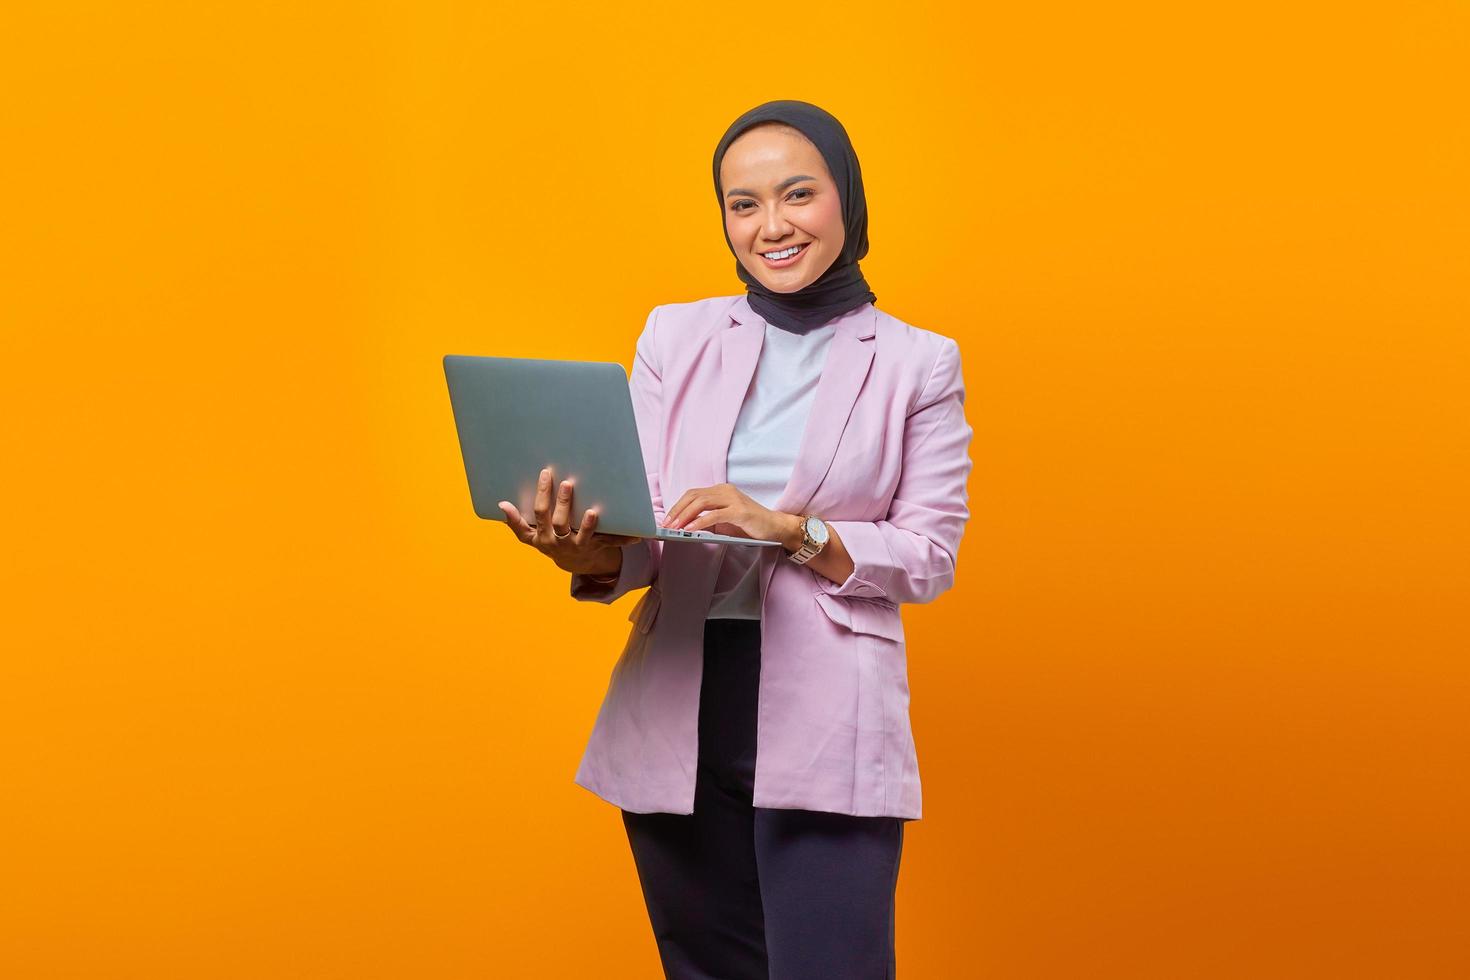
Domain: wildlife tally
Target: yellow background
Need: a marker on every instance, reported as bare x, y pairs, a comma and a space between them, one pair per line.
274, 704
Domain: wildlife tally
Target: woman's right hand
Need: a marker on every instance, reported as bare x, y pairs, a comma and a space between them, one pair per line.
583, 553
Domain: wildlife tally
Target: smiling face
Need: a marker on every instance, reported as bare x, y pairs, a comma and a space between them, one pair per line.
777, 194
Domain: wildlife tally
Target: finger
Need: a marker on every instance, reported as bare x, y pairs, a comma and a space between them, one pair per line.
691, 503
516, 522
561, 517
542, 507
704, 503
707, 518
584, 533
687, 504
691, 512
672, 513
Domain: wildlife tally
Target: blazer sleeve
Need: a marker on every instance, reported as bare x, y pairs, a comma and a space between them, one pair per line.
642, 558
910, 555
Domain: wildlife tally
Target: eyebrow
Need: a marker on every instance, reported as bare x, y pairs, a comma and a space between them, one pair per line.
779, 187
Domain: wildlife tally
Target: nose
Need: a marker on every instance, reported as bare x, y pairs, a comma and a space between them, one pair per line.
775, 227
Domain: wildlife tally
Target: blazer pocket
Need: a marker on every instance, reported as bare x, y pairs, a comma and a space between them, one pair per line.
862, 615
645, 611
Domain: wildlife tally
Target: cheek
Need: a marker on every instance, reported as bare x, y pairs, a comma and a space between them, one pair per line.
733, 231
831, 219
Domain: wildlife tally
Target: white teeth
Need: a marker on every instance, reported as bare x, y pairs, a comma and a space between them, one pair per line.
784, 254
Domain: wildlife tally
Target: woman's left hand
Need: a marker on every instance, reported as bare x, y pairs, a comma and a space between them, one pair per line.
723, 509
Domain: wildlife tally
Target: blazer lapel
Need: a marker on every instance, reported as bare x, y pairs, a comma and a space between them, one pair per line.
740, 351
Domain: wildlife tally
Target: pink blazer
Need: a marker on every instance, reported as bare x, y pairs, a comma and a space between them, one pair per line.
884, 459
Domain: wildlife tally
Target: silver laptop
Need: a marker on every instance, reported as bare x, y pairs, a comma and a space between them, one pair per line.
517, 415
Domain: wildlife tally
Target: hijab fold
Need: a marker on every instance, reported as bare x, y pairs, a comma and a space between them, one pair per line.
841, 288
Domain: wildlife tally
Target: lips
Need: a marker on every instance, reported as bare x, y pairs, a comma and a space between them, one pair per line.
790, 260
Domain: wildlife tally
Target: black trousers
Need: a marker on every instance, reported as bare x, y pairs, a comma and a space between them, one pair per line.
736, 892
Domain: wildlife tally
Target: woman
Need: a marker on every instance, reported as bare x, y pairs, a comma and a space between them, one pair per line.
755, 732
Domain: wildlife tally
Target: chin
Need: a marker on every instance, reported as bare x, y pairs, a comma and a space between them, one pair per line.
785, 287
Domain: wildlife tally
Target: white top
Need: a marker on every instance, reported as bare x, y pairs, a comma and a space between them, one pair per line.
763, 448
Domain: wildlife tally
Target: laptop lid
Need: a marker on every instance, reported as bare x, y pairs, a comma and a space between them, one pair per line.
515, 416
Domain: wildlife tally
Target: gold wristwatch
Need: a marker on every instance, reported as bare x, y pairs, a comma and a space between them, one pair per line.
814, 539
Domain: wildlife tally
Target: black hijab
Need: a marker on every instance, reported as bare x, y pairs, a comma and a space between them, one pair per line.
841, 287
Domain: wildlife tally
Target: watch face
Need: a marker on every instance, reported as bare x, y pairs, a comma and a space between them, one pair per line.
817, 529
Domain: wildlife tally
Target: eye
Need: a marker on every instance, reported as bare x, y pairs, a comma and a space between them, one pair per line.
800, 190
